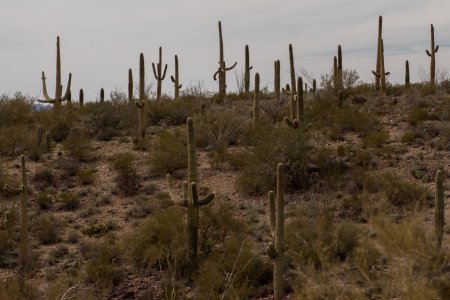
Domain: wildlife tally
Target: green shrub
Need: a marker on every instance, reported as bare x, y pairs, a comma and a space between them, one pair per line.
46, 228
375, 139
69, 201
44, 201
168, 152
16, 110
171, 112
14, 140
128, 181
417, 115
77, 145
86, 176
43, 178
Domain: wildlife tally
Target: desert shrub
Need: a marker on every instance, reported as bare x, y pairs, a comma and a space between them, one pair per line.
171, 112
86, 176
12, 288
102, 266
346, 239
128, 181
97, 229
43, 178
375, 139
417, 115
69, 166
160, 240
14, 139
352, 119
140, 209
234, 272
60, 130
259, 162
77, 145
16, 110
7, 245
44, 201
69, 201
46, 228
168, 152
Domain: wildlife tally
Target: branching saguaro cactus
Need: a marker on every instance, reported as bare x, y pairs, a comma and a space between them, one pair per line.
221, 71
130, 85
140, 103
247, 70
432, 54
299, 107
277, 82
256, 101
382, 74
275, 250
293, 87
439, 215
377, 72
176, 80
59, 98
407, 80
190, 198
159, 74
23, 231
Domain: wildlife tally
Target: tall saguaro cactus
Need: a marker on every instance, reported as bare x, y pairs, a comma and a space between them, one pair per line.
256, 101
23, 231
299, 107
130, 85
159, 74
277, 81
59, 98
81, 97
190, 198
340, 80
293, 88
377, 72
221, 71
439, 215
247, 70
275, 250
335, 75
140, 103
407, 80
175, 79
382, 74
432, 54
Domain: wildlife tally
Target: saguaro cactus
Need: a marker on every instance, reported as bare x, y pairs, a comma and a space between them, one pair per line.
293, 87
275, 250
159, 74
377, 72
340, 80
340, 98
299, 107
256, 101
432, 54
23, 231
382, 75
407, 81
130, 85
335, 74
140, 103
175, 79
439, 215
58, 90
81, 98
102, 95
314, 88
277, 82
247, 70
190, 198
221, 71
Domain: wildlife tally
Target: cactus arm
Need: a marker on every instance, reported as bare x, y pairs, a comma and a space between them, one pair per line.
436, 49
194, 194
428, 53
375, 73
13, 190
180, 86
288, 122
271, 251
387, 73
44, 88
69, 82
8, 226
206, 199
154, 71
231, 68
172, 78
177, 200
139, 103
250, 68
217, 73
164, 73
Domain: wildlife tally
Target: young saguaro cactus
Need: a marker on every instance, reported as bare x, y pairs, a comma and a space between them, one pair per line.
22, 238
130, 85
382, 75
299, 107
256, 101
221, 71
59, 98
175, 79
293, 87
81, 96
377, 72
159, 74
140, 103
407, 80
247, 70
439, 215
190, 198
432, 54
275, 250
340, 80
277, 82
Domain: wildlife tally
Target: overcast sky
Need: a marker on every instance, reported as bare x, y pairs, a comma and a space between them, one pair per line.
101, 39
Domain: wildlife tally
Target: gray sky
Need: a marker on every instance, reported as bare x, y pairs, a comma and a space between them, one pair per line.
101, 39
